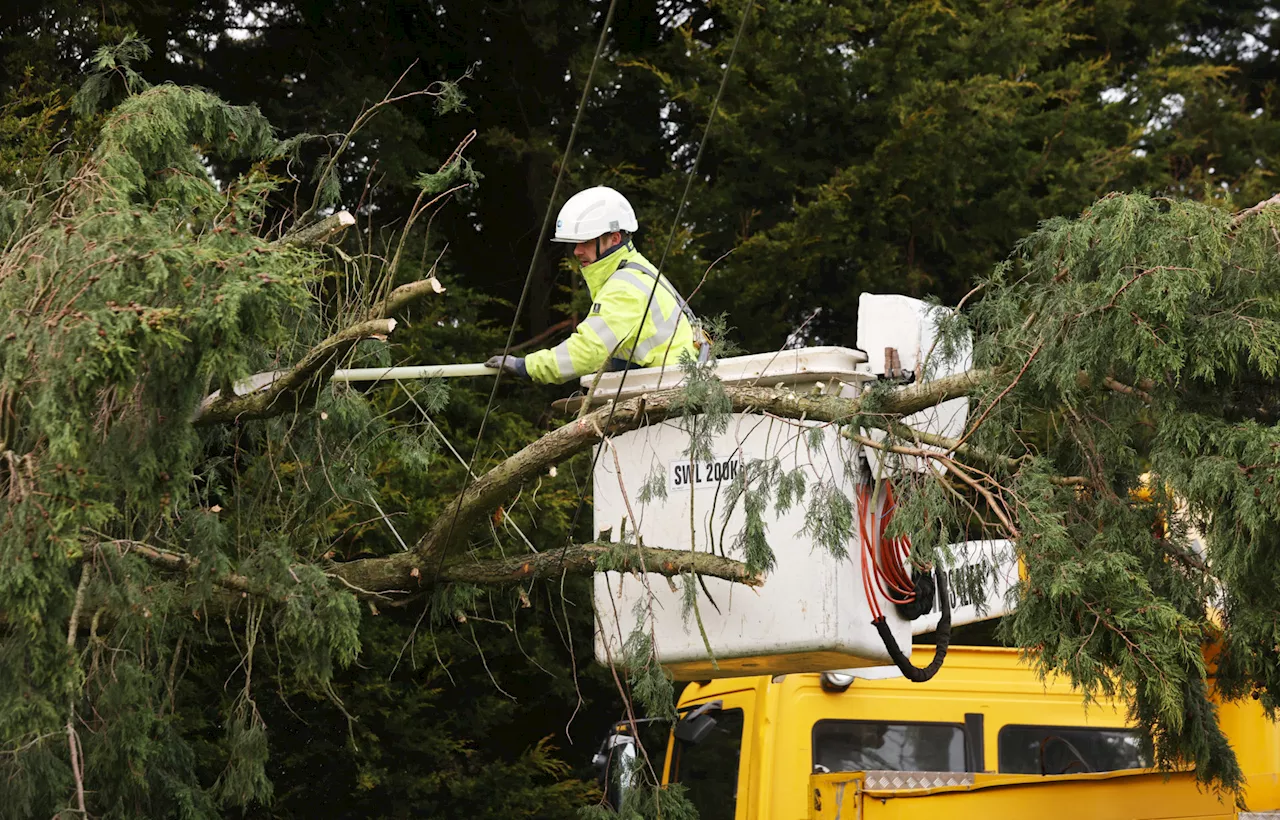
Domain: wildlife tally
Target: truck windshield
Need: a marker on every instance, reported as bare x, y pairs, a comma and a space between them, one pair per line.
869, 745
709, 770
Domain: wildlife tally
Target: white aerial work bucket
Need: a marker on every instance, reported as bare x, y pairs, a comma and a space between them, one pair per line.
812, 613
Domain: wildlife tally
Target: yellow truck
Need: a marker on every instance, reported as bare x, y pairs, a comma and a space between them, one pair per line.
985, 738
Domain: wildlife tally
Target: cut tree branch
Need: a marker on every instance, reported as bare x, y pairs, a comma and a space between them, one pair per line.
382, 578
317, 233
500, 483
265, 395
974, 427
949, 445
179, 562
1083, 379
405, 295
268, 393
1239, 218
582, 559
1121, 387
415, 570
951, 466
73, 739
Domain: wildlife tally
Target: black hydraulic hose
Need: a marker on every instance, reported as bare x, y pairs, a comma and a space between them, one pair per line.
903, 662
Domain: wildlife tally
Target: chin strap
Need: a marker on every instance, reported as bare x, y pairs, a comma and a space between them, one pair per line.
602, 254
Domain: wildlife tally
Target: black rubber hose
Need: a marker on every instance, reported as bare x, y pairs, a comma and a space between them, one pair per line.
943, 631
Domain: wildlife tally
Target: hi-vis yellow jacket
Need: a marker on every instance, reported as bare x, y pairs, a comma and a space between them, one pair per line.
620, 284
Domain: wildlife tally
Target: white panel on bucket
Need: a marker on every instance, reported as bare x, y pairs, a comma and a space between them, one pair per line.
991, 564
995, 563
910, 326
811, 614
890, 320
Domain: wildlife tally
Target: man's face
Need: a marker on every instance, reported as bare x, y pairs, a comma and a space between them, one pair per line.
585, 252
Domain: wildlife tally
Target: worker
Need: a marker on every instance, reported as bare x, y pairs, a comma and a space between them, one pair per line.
627, 293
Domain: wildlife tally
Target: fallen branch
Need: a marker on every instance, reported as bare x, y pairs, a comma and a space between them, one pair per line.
973, 427
73, 739
996, 507
179, 562
583, 559
1121, 387
266, 393
968, 451
403, 574
952, 466
405, 295
501, 482
942, 456
414, 570
262, 394
950, 445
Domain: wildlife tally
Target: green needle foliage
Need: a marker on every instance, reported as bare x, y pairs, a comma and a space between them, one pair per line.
1134, 404
134, 286
140, 542
1139, 339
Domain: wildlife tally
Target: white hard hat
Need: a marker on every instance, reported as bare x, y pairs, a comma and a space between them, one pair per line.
593, 213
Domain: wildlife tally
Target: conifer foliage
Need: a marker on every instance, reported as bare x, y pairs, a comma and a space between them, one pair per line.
1127, 441
130, 283
177, 475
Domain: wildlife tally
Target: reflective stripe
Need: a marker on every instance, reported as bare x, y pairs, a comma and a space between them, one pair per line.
631, 279
667, 286
664, 326
646, 287
606, 334
663, 334
563, 361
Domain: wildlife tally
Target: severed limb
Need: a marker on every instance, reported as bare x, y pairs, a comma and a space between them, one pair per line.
272, 393
317, 233
504, 480
402, 574
265, 395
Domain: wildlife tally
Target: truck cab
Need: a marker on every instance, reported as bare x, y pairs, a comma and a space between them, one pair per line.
806, 745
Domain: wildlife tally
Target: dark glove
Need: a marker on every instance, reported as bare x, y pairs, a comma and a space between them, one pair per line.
513, 365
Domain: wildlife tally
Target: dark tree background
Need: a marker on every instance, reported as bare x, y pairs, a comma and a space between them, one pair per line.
860, 146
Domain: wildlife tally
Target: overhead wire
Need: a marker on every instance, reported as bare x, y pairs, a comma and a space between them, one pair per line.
458, 457
533, 263
675, 224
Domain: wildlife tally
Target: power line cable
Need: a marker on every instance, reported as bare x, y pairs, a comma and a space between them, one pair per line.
533, 262
458, 457
671, 235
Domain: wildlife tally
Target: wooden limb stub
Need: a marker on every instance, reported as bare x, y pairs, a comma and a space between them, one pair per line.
317, 233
